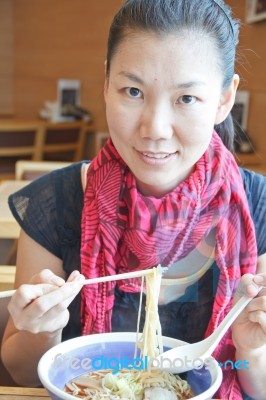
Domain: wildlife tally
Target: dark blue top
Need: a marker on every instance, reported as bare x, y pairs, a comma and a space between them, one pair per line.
49, 211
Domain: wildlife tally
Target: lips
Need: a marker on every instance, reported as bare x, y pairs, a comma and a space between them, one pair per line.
156, 155
156, 158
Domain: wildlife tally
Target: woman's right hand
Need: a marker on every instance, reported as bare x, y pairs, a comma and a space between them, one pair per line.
41, 305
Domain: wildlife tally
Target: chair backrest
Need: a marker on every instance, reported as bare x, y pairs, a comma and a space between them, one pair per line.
18, 140
30, 170
40, 140
7, 277
61, 141
5, 378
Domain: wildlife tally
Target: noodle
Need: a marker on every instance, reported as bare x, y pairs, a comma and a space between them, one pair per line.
136, 385
126, 385
150, 342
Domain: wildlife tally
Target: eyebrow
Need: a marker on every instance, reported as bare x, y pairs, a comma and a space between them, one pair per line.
185, 85
190, 84
132, 77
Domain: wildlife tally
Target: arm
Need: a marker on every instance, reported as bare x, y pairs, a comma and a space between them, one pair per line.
249, 336
38, 310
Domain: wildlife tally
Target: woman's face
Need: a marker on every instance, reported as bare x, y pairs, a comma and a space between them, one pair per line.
163, 97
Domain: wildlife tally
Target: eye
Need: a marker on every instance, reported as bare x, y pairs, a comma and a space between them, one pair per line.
187, 99
134, 92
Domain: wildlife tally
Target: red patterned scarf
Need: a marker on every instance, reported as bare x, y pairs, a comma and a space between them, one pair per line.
123, 230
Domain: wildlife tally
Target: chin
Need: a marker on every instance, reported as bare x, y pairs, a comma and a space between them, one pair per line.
154, 187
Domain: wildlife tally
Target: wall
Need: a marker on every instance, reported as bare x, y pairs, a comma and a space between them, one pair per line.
6, 57
252, 50
60, 39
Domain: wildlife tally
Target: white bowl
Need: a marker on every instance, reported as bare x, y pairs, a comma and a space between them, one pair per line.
72, 358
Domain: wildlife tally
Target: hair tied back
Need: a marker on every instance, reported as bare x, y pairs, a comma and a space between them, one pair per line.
224, 11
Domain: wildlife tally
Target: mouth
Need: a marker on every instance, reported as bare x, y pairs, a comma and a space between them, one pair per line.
156, 155
156, 158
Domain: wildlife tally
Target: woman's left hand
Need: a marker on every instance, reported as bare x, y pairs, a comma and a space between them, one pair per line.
249, 329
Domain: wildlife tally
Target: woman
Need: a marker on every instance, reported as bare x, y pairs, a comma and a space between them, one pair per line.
165, 189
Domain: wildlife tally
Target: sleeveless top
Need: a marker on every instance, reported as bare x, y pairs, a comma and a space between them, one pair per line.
49, 211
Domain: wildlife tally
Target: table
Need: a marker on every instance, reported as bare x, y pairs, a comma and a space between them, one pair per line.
9, 228
18, 393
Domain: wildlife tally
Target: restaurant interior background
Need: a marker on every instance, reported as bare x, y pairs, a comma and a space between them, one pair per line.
43, 41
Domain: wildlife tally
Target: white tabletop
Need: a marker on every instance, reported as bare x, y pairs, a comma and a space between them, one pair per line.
9, 228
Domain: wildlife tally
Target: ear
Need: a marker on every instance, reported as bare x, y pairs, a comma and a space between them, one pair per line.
227, 100
106, 81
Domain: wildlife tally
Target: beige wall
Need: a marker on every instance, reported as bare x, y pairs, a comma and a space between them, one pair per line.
60, 39
67, 39
252, 50
6, 57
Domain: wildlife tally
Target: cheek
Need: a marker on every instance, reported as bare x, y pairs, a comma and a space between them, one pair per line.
198, 136
199, 130
113, 118
120, 123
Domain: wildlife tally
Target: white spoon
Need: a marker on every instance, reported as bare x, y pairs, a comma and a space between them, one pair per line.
195, 355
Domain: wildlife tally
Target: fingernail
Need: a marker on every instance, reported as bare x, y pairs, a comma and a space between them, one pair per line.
251, 289
81, 278
76, 285
74, 274
56, 280
258, 279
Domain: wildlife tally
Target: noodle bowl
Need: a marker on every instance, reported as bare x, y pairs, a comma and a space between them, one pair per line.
56, 368
136, 385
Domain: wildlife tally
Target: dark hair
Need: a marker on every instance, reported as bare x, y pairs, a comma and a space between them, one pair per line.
213, 18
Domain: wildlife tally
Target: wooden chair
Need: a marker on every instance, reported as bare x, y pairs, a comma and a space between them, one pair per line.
61, 141
30, 170
5, 378
18, 140
7, 278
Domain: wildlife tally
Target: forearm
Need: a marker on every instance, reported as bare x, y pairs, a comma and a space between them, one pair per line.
252, 380
22, 351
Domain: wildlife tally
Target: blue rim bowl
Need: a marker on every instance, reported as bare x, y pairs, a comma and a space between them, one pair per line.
77, 356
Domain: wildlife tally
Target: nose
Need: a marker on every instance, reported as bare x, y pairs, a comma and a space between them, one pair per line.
156, 122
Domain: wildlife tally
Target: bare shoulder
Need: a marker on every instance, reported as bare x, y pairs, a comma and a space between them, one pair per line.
84, 170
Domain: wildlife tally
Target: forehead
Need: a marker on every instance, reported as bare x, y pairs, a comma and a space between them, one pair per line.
176, 56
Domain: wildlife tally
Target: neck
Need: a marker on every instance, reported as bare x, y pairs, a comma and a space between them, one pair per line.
159, 191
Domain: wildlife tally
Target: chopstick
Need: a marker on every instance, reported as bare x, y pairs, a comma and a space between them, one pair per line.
7, 293
127, 275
